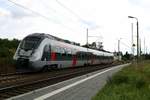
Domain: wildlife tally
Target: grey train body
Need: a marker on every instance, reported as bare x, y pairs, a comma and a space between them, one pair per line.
38, 51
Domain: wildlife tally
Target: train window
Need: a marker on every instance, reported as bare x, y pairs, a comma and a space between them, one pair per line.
58, 56
64, 56
53, 49
96, 56
65, 49
69, 51
46, 48
57, 50
78, 56
62, 50
30, 43
69, 57
83, 56
100, 57
112, 58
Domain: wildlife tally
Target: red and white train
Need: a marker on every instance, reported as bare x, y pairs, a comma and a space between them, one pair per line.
42, 51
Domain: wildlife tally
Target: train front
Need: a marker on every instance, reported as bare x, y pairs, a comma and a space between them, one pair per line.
27, 54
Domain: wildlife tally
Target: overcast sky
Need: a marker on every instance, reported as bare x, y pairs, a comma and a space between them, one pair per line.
69, 19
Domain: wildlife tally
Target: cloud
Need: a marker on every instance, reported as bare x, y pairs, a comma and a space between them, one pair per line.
107, 18
13, 10
142, 4
135, 2
4, 12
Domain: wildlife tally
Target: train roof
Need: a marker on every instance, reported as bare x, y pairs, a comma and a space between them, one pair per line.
43, 35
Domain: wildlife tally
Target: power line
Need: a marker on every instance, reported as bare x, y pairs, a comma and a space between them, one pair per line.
75, 14
125, 44
64, 6
32, 11
36, 13
54, 10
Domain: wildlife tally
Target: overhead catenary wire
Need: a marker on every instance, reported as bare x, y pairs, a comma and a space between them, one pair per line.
55, 11
38, 14
71, 11
84, 22
128, 46
125, 45
32, 11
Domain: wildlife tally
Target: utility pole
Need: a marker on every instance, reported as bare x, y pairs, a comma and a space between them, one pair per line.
132, 47
140, 46
146, 49
118, 45
119, 58
144, 45
87, 42
87, 38
137, 23
137, 41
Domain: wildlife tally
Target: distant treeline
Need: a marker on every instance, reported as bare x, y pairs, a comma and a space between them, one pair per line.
8, 47
7, 50
129, 57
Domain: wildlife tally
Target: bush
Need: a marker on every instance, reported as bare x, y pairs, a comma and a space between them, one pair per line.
5, 53
7, 50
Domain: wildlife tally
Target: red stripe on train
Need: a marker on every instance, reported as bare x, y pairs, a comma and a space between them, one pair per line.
53, 56
74, 61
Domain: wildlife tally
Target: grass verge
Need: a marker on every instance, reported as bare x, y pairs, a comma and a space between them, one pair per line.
131, 83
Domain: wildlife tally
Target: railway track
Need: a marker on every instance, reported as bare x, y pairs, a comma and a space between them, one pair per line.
16, 85
7, 80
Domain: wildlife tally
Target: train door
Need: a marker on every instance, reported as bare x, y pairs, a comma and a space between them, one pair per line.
46, 53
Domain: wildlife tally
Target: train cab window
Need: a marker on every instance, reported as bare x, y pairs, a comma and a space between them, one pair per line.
30, 43
46, 53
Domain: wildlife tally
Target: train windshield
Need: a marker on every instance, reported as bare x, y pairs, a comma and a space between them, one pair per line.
30, 43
